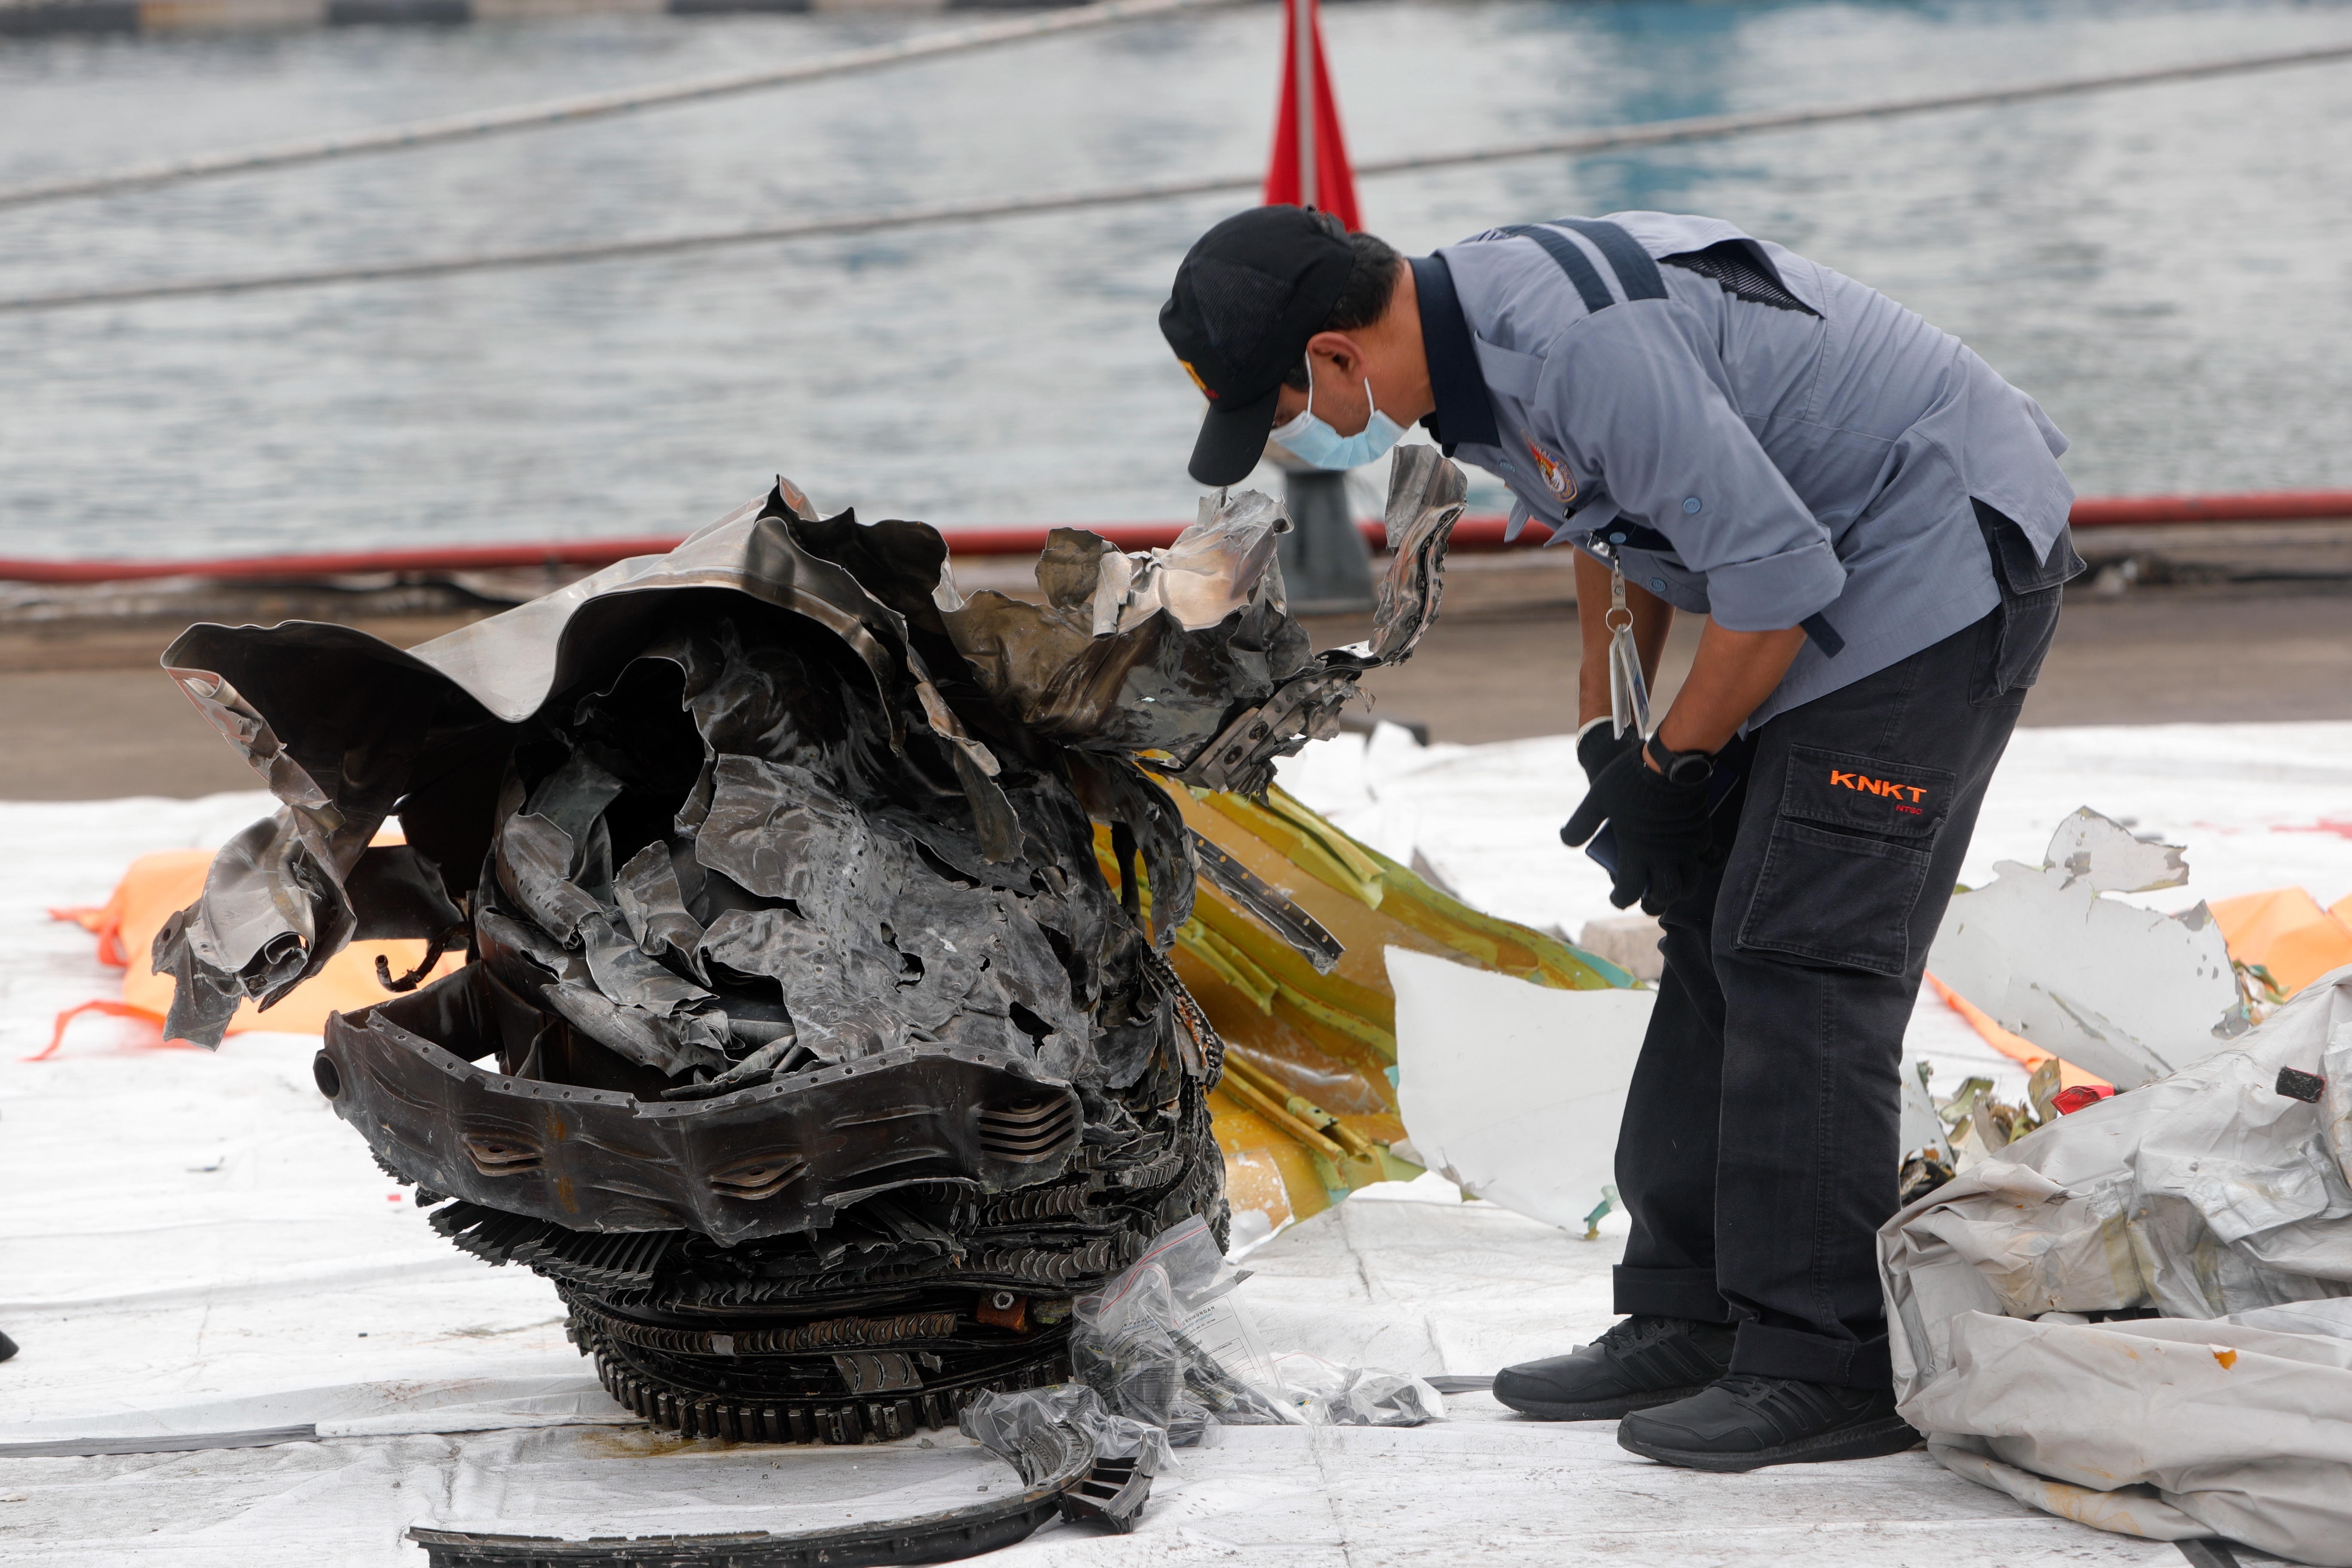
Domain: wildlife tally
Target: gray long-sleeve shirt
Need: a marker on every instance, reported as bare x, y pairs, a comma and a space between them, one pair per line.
1798, 463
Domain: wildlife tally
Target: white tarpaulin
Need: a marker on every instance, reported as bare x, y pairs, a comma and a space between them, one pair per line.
2217, 1196
193, 1242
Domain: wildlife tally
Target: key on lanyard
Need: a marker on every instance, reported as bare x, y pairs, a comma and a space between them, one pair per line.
1629, 694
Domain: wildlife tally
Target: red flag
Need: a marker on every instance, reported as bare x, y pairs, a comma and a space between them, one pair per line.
1326, 180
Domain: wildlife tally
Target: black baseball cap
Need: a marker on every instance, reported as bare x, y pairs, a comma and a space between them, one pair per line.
1249, 294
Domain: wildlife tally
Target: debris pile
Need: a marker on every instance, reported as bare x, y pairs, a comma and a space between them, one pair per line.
1972, 1125
803, 1041
2178, 1241
2185, 1246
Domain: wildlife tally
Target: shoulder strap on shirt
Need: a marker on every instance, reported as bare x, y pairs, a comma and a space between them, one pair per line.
1564, 250
1637, 275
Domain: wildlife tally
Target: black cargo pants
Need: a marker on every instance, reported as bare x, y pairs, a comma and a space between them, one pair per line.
1759, 1148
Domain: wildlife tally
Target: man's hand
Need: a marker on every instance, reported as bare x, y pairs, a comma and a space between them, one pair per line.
1660, 827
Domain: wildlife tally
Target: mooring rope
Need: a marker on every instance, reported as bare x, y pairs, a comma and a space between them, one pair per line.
1661, 134
596, 105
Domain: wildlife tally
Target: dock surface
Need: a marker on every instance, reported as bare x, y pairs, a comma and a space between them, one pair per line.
89, 715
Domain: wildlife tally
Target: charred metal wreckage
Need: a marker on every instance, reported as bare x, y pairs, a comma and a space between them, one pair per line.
800, 1040
1059, 1468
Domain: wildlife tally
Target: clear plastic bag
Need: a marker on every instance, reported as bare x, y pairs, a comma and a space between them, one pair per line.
1329, 1394
1167, 1345
1164, 1344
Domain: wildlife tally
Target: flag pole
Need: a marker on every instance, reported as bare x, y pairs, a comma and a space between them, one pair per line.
1324, 565
1302, 55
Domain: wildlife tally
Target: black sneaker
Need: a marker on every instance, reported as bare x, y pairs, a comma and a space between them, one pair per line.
1746, 1422
1639, 1363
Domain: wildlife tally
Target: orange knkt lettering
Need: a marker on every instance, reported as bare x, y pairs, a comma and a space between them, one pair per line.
1869, 785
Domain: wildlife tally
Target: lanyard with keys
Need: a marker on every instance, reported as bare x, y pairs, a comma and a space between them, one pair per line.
1629, 694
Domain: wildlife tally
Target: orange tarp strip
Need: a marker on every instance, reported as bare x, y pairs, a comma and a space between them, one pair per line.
112, 1009
153, 889
2017, 1047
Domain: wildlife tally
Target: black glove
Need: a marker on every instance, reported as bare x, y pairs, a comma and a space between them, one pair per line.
1597, 748
1660, 828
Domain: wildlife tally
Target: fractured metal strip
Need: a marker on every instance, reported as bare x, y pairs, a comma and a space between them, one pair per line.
170, 1442
1052, 1461
1267, 904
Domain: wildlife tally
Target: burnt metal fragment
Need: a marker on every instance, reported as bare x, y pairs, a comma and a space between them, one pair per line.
1111, 1494
1426, 496
1054, 1460
2295, 1084
1921, 1173
800, 1026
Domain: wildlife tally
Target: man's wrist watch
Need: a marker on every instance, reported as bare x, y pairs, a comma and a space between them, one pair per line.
1681, 767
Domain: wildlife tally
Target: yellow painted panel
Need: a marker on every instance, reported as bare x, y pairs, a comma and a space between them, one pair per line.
1326, 1040
1241, 1132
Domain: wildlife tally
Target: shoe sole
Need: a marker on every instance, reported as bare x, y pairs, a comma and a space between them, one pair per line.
1890, 1435
1599, 1409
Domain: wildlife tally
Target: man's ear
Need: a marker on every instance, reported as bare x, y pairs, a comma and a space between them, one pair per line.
1346, 354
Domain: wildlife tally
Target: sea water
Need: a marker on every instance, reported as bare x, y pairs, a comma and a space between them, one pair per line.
2169, 270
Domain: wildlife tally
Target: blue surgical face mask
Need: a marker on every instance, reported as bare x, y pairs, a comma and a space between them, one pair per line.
1310, 440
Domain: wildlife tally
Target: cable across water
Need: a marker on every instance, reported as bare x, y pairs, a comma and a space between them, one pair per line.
596, 105
1660, 133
